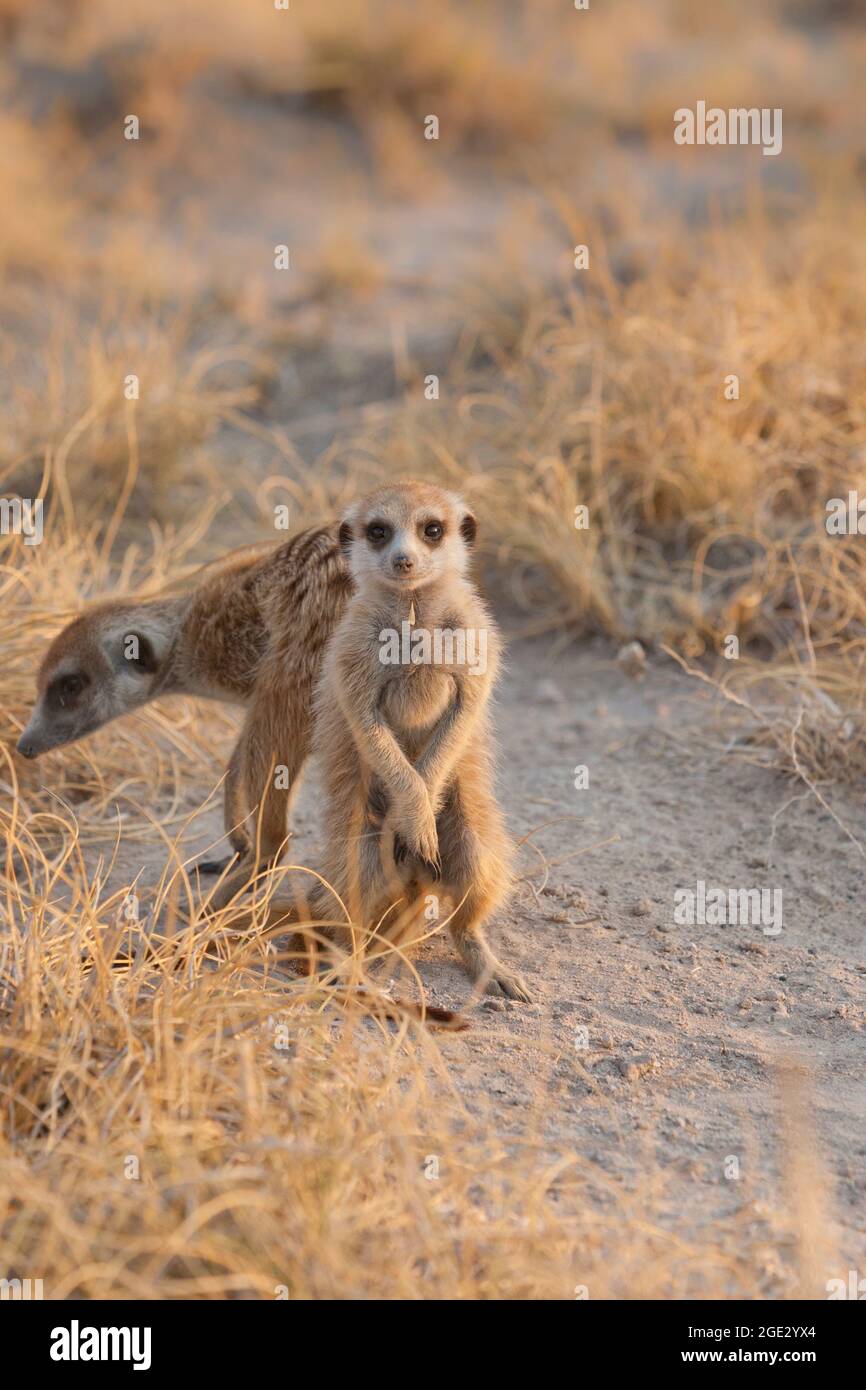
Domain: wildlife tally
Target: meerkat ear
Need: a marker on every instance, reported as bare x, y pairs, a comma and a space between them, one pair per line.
469, 529
139, 652
345, 536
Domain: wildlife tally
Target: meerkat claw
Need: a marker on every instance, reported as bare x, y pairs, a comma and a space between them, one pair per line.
503, 984
402, 853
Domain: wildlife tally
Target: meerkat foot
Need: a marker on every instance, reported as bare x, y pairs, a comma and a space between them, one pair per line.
485, 969
505, 982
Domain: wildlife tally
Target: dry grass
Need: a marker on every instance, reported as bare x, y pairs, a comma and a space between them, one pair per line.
154, 1139
124, 403
192, 1124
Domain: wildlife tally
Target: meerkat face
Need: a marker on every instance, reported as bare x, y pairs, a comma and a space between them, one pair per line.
406, 536
96, 669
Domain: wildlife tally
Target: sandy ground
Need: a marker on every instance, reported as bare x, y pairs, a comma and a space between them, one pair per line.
656, 1046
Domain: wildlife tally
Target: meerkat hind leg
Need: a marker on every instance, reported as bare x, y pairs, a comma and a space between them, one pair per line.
267, 822
233, 814
466, 933
476, 880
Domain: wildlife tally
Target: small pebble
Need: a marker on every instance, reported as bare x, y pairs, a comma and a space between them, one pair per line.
631, 659
633, 1068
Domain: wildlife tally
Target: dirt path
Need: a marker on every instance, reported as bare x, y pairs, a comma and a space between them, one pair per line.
686, 1024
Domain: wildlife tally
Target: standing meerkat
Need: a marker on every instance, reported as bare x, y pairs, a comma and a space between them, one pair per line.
252, 633
402, 729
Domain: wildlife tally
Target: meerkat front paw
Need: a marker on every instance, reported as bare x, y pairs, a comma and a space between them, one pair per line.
402, 853
417, 838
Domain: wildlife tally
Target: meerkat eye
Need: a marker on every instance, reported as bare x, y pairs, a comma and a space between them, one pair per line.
433, 530
378, 532
68, 687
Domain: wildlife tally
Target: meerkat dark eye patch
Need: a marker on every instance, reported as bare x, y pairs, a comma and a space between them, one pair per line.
65, 689
469, 528
378, 532
434, 531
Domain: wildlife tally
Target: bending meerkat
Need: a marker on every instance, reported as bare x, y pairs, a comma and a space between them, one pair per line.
251, 633
404, 744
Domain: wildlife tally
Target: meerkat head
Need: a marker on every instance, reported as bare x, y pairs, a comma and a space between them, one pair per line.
407, 535
101, 665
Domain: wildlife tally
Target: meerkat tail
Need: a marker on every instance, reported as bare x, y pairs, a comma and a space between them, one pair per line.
396, 1009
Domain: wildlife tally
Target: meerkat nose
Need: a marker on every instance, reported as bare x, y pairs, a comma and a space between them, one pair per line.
26, 748
402, 563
